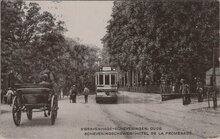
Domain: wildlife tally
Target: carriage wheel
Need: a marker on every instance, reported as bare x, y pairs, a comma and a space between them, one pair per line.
16, 111
29, 114
54, 106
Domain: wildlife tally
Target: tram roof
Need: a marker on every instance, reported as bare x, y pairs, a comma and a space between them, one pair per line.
106, 72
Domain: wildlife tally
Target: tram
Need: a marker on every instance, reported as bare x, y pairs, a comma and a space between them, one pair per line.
106, 85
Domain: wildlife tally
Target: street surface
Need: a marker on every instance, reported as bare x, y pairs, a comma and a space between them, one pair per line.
136, 116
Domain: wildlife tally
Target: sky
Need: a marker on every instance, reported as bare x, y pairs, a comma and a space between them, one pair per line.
86, 20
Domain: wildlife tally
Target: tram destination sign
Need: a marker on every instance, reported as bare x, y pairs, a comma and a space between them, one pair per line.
107, 68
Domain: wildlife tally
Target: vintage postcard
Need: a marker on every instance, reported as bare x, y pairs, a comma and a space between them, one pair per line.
123, 69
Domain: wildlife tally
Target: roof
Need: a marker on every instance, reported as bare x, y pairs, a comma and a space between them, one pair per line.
210, 71
106, 72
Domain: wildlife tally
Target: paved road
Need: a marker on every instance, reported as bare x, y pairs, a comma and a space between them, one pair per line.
136, 116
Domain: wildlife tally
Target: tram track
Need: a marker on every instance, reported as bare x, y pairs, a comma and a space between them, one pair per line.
116, 121
160, 122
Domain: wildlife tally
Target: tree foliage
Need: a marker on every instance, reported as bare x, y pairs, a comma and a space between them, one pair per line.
33, 41
172, 38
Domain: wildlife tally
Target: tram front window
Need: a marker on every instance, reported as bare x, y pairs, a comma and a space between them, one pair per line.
113, 79
107, 79
100, 79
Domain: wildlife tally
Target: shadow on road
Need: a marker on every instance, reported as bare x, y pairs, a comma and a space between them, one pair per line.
4, 111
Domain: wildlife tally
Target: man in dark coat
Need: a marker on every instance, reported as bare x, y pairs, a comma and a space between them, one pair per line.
86, 93
199, 90
73, 93
11, 79
184, 89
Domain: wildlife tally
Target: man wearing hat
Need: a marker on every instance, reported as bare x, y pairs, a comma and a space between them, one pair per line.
199, 90
44, 81
73, 93
86, 93
184, 89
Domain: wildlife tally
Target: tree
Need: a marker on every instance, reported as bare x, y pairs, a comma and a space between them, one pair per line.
34, 38
33, 43
169, 38
79, 64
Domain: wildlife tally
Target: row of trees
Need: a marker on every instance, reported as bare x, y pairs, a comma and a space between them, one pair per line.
171, 38
33, 41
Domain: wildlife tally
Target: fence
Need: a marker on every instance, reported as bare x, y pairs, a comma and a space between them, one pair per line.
157, 89
167, 91
143, 89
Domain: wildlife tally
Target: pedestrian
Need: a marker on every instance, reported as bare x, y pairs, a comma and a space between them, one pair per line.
199, 90
70, 96
73, 94
11, 79
86, 93
9, 95
173, 86
163, 84
184, 89
61, 93
2, 95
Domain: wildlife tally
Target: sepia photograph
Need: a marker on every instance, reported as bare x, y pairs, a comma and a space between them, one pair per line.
110, 69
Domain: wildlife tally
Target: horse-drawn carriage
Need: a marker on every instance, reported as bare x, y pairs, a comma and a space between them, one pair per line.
31, 98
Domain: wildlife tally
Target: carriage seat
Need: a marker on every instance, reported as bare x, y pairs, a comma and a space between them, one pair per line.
34, 95
45, 84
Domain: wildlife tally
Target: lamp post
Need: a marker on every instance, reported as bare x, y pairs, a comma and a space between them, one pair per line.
213, 67
214, 78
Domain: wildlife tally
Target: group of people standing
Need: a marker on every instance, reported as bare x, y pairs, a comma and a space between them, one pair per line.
185, 91
73, 93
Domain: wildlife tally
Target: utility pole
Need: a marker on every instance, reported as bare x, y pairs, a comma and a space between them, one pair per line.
214, 93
